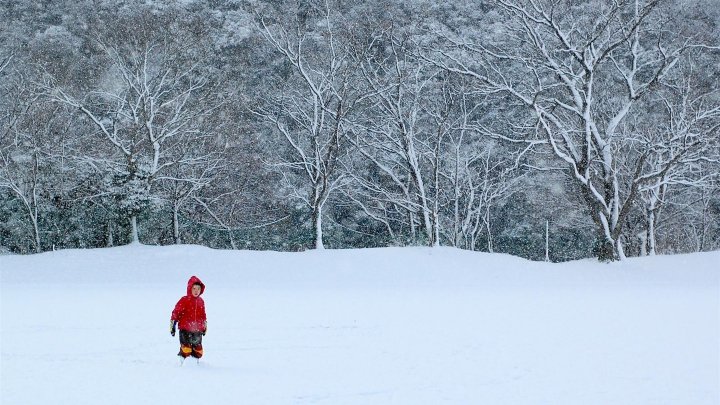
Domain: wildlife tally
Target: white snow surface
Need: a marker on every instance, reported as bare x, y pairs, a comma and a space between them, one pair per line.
367, 326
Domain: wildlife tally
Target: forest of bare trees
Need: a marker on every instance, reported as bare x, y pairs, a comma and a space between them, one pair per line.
310, 124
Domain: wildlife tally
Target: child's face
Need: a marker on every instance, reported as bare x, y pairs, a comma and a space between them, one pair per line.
196, 290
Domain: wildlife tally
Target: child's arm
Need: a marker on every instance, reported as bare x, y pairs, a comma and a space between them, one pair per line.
176, 315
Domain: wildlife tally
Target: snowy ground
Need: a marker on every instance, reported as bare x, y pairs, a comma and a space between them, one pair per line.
374, 326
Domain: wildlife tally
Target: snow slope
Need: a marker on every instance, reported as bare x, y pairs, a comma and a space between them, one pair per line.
372, 326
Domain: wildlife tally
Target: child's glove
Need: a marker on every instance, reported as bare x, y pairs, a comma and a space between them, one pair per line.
205, 330
172, 327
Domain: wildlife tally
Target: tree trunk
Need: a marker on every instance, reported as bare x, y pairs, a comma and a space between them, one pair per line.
423, 202
651, 233
413, 230
605, 246
436, 228
32, 214
547, 241
643, 236
109, 240
36, 230
232, 240
134, 238
620, 249
317, 227
488, 229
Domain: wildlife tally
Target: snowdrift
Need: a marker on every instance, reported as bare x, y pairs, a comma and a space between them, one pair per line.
370, 326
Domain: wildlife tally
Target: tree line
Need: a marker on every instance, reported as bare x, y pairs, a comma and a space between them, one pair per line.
531, 127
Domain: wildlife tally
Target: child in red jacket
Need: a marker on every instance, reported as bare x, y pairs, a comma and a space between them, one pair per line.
189, 313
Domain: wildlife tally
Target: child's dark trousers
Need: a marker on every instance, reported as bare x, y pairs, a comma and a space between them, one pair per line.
190, 344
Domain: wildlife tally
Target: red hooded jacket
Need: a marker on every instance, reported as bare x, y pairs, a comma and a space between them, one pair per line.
189, 312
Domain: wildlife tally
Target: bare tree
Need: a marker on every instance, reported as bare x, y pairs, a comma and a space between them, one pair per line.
20, 150
185, 182
31, 165
398, 135
149, 116
481, 182
312, 107
681, 153
581, 71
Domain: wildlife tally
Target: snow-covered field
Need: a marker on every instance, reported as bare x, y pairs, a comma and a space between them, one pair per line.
374, 326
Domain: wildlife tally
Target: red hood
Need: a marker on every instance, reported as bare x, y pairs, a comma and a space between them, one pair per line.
195, 280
